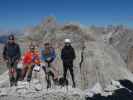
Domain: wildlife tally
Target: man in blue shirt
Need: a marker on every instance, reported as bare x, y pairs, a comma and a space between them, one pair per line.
48, 56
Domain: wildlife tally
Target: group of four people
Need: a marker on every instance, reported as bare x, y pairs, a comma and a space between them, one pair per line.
34, 56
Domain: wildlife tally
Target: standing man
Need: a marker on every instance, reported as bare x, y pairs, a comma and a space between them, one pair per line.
12, 55
68, 56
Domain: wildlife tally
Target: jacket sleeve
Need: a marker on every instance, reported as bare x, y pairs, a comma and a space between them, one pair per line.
4, 53
62, 54
53, 55
73, 53
43, 58
18, 53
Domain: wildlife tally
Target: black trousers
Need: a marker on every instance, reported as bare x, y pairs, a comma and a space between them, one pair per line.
68, 65
19, 74
12, 75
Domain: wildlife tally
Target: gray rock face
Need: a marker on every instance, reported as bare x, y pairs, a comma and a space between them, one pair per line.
121, 39
98, 62
102, 64
130, 59
32, 91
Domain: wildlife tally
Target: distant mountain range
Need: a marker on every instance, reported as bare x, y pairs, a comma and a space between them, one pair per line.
4, 35
3, 39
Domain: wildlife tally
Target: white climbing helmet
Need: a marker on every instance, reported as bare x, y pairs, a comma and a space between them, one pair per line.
67, 41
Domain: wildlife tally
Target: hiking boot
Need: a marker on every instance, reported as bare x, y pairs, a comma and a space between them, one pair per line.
48, 83
28, 79
48, 86
11, 84
11, 81
15, 83
74, 85
56, 82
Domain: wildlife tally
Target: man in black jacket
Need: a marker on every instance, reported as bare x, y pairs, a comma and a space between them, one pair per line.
12, 55
68, 56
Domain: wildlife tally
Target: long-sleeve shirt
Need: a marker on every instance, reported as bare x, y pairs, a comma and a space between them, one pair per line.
51, 55
11, 51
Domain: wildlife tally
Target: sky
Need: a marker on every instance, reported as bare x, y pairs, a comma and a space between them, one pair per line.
19, 14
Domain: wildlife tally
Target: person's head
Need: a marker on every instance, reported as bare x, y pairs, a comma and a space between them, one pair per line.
47, 45
67, 42
11, 39
32, 48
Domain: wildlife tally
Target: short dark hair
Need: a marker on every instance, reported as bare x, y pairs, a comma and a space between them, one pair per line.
47, 44
32, 46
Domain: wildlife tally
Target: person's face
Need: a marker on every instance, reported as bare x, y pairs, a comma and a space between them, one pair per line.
11, 40
67, 44
47, 46
32, 49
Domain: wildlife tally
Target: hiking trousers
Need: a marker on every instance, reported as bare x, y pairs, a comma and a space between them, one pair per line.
12, 67
29, 76
27, 71
68, 65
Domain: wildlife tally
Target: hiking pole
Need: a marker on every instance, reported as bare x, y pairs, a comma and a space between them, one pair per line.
41, 77
44, 69
41, 80
48, 77
29, 76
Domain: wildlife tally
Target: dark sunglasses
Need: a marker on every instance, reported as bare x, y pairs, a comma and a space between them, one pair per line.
46, 44
11, 39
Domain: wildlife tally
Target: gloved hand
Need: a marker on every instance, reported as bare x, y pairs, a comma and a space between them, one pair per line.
17, 61
6, 60
49, 58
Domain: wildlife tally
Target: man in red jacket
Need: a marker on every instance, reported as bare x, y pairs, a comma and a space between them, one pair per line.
28, 62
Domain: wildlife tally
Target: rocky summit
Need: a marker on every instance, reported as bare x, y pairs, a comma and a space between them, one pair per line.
99, 68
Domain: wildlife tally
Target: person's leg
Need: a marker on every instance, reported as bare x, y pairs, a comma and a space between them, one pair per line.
48, 81
10, 74
10, 78
72, 73
65, 68
19, 72
15, 74
24, 71
47, 74
54, 70
30, 72
44, 65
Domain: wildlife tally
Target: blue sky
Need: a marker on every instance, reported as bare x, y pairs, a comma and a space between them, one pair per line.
18, 14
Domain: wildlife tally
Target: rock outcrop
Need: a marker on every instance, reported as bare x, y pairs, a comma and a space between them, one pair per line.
102, 64
98, 61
